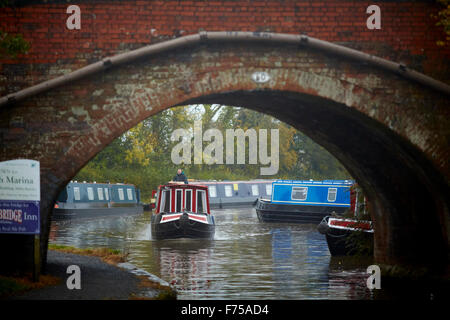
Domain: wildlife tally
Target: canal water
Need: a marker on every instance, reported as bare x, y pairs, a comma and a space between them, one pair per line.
247, 259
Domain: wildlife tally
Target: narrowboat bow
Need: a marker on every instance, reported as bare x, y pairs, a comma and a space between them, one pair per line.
347, 236
182, 211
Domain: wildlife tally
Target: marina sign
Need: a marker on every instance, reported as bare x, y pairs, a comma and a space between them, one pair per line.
20, 196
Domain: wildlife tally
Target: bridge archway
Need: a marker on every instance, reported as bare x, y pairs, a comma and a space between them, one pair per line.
390, 132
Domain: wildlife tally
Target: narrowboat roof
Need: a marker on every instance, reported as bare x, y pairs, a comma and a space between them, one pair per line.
100, 183
313, 182
185, 186
232, 181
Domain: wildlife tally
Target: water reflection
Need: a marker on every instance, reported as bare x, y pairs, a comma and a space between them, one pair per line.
246, 260
346, 274
282, 261
186, 263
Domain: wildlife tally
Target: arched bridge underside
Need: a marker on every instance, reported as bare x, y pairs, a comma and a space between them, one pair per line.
387, 125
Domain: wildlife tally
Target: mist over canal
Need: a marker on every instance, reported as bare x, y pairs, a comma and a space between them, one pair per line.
246, 260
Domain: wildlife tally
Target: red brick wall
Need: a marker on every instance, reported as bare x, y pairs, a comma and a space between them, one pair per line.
408, 31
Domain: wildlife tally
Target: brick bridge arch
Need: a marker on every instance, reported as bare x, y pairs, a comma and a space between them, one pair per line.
386, 124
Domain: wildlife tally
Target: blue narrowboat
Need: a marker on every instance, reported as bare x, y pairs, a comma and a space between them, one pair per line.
84, 200
304, 201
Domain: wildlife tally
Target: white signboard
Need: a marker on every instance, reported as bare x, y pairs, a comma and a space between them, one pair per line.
20, 180
20, 195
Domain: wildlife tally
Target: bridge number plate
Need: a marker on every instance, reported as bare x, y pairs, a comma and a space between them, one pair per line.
260, 77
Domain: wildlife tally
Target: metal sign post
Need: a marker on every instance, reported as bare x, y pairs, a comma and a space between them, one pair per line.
36, 258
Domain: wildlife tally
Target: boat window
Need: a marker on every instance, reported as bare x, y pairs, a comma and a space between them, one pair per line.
100, 193
212, 191
228, 191
90, 192
130, 194
269, 189
76, 193
188, 200
299, 193
121, 195
332, 194
179, 198
201, 201
255, 191
106, 194
165, 201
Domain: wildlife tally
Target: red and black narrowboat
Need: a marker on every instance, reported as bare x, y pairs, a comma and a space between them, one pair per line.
347, 236
182, 211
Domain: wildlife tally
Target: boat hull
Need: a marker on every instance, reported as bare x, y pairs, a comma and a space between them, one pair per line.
339, 244
273, 212
82, 213
232, 203
176, 226
345, 242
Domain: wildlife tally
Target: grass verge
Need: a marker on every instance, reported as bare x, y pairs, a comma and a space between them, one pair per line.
11, 285
165, 292
108, 255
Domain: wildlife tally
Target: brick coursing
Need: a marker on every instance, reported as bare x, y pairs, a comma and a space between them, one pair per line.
408, 31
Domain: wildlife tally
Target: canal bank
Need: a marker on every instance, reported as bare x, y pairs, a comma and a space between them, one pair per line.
98, 280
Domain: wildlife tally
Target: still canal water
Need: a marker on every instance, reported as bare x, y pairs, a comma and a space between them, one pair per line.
246, 260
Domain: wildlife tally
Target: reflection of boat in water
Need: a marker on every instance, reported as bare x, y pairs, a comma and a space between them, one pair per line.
185, 263
347, 236
86, 200
304, 201
299, 250
347, 277
183, 245
182, 211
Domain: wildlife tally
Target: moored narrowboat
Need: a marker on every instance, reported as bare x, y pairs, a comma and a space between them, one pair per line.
347, 236
304, 201
87, 200
182, 211
232, 194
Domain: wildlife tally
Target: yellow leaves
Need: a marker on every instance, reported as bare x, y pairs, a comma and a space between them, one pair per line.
142, 143
443, 18
288, 155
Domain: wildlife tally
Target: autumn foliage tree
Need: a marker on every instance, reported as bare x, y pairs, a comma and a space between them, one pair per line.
443, 20
142, 155
11, 45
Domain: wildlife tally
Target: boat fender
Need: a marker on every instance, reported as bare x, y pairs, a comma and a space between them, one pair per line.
323, 226
184, 217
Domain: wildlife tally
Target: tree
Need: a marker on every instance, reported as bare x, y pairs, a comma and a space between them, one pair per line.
11, 45
443, 17
142, 155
